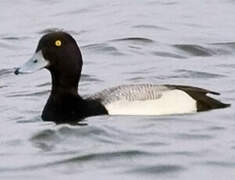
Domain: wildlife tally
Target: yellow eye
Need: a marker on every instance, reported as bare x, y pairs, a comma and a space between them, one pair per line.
58, 43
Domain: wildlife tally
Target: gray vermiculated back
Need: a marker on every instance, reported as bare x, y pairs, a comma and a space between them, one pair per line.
130, 93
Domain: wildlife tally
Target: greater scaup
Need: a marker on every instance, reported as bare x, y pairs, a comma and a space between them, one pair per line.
59, 53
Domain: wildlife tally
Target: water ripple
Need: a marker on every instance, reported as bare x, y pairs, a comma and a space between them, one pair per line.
104, 156
90, 78
72, 12
188, 136
101, 157
220, 163
150, 27
195, 50
225, 44
5, 72
26, 93
157, 169
44, 84
14, 38
196, 74
168, 54
103, 48
135, 40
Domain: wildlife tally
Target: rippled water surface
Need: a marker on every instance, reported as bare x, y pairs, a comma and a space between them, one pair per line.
159, 41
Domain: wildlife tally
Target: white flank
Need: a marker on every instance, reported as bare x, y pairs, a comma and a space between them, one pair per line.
171, 102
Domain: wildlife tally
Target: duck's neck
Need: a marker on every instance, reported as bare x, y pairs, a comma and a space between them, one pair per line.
65, 105
65, 84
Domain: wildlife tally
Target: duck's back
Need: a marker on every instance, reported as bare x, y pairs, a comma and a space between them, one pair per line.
149, 99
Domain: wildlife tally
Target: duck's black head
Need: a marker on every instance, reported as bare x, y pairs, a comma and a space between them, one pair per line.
59, 53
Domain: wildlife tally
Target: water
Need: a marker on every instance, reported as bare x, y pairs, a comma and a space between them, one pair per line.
123, 42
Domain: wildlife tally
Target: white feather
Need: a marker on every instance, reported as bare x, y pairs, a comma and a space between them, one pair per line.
171, 102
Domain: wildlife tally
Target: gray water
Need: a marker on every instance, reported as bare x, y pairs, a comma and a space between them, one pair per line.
190, 42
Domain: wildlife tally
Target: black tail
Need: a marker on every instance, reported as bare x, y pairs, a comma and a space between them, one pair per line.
208, 103
204, 102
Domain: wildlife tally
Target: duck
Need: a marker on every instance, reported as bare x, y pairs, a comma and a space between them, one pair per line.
59, 53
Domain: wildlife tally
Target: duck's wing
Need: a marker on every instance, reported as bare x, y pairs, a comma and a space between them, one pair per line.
191, 89
136, 92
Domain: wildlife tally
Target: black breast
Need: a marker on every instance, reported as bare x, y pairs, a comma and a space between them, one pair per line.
71, 109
